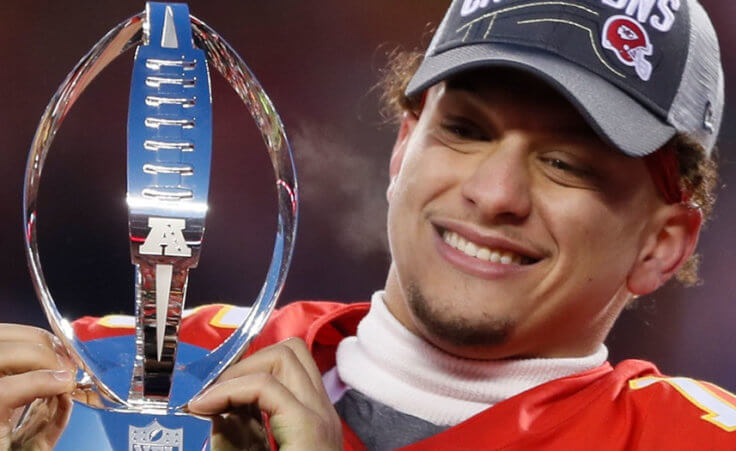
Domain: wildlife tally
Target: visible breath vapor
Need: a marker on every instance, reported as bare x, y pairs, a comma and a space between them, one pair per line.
345, 185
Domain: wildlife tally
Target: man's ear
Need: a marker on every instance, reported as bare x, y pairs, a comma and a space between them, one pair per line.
408, 122
666, 249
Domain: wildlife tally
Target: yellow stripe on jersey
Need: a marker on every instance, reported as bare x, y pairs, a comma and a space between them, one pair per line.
229, 317
117, 322
720, 411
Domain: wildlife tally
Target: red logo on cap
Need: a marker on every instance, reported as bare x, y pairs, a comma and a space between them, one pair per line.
630, 42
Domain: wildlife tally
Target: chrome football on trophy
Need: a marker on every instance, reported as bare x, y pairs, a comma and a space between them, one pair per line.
147, 379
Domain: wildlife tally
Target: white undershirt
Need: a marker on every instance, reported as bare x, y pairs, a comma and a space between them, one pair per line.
391, 365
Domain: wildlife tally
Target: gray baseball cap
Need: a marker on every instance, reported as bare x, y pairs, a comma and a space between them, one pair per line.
639, 71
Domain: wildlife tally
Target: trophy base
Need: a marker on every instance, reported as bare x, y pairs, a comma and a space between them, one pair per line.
92, 429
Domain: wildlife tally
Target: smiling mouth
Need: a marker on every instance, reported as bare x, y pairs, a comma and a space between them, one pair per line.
472, 249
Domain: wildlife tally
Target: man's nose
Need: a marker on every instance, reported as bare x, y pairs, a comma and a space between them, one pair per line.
499, 186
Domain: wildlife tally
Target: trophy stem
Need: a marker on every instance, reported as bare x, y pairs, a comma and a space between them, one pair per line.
160, 291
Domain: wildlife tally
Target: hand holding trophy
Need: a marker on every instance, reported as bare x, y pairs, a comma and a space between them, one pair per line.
145, 380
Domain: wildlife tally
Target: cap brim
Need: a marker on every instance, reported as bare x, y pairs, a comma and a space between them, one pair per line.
617, 118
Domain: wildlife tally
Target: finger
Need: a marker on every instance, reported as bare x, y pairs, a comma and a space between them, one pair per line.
262, 389
19, 332
33, 335
19, 357
28, 334
21, 389
289, 351
293, 424
300, 349
282, 362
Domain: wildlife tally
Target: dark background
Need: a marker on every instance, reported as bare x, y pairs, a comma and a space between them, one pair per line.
318, 61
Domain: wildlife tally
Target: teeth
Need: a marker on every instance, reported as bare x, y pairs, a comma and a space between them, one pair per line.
461, 243
480, 252
471, 249
448, 238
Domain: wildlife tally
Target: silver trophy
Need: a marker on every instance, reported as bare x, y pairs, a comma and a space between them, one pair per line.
147, 379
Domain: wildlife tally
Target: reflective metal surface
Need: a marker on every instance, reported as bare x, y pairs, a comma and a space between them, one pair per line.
111, 369
170, 165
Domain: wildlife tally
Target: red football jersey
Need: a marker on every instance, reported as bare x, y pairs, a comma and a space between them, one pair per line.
631, 406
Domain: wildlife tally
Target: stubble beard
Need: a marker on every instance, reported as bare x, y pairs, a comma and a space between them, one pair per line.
456, 329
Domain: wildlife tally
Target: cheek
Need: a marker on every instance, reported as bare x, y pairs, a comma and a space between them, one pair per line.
428, 172
407, 196
426, 182
595, 241
595, 253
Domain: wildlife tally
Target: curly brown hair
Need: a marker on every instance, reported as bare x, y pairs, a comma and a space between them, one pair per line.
698, 172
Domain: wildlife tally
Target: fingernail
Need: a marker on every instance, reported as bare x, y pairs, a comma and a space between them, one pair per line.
63, 360
64, 376
199, 397
58, 346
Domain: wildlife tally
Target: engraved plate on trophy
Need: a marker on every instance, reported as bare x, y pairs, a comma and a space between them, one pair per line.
146, 378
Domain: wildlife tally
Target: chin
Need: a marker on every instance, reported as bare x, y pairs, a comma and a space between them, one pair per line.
450, 329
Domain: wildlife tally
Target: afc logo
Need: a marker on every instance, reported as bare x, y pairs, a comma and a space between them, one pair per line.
166, 238
630, 42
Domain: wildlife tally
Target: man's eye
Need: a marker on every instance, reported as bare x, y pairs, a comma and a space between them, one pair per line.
566, 167
465, 130
560, 164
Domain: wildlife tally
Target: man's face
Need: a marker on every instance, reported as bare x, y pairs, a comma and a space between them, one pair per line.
513, 227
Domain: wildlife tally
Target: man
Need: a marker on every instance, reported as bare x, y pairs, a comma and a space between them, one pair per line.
552, 164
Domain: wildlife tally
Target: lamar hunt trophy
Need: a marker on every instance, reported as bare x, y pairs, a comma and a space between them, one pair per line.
146, 379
